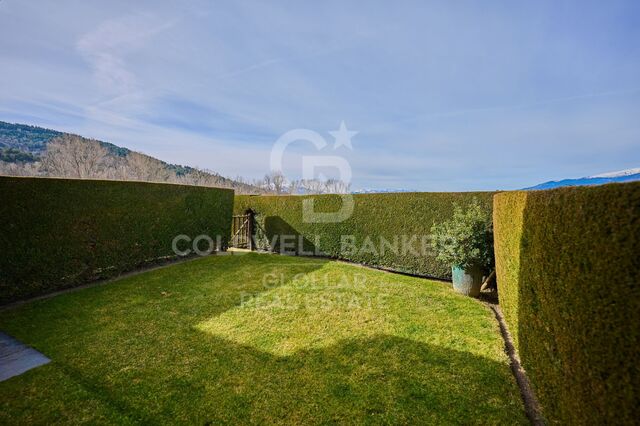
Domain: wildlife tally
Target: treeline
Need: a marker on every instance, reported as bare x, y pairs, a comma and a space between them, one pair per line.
24, 138
77, 157
73, 156
277, 183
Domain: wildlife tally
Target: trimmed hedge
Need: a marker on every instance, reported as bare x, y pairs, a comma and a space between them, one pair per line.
568, 266
392, 217
59, 233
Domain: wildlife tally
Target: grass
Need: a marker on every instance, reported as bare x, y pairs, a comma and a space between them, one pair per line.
261, 339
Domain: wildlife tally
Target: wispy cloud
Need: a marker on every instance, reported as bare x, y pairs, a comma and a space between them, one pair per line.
105, 48
477, 96
505, 108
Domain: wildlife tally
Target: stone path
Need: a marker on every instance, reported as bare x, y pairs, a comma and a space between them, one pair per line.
16, 357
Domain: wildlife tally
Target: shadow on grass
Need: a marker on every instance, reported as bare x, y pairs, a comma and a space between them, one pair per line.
386, 378
136, 352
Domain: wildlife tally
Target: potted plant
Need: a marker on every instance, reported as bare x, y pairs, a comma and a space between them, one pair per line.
466, 243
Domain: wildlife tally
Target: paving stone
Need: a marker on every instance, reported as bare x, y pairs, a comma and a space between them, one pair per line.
16, 357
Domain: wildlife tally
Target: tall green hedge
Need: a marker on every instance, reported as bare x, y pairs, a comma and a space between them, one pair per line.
568, 265
377, 219
59, 233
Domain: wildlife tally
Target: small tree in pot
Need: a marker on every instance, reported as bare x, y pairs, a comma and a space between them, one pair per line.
466, 243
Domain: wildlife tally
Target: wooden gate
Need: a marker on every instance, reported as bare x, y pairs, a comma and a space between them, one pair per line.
241, 231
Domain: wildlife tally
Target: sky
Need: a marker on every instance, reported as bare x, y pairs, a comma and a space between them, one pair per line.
445, 95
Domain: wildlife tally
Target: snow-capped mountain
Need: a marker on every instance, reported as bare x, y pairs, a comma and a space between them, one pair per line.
619, 176
627, 172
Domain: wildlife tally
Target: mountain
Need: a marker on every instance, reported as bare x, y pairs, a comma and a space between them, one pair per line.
620, 173
33, 140
619, 176
35, 151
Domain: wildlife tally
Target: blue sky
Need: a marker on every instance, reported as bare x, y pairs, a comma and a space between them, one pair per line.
445, 95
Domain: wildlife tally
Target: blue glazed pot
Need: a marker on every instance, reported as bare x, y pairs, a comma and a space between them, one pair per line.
467, 281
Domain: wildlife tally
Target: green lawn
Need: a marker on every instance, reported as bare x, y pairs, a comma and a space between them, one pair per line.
261, 339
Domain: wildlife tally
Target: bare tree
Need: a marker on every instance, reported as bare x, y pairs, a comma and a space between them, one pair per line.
77, 157
198, 177
143, 167
317, 186
336, 186
312, 186
118, 169
294, 185
266, 182
19, 169
279, 182
275, 182
73, 156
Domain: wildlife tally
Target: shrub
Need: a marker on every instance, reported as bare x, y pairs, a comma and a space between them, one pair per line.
568, 272
466, 239
59, 233
378, 222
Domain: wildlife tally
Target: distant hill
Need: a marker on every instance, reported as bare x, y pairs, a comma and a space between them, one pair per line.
34, 140
24, 138
619, 176
35, 151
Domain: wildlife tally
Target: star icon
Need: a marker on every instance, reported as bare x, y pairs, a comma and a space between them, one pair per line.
343, 137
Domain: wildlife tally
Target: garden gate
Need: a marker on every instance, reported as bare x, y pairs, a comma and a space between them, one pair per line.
242, 230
